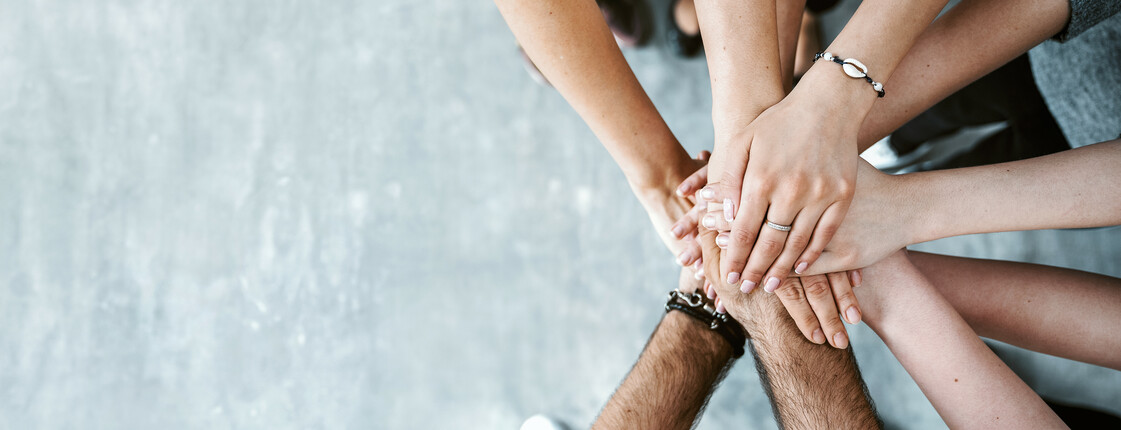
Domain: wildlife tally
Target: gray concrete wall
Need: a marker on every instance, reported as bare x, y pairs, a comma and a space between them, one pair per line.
345, 214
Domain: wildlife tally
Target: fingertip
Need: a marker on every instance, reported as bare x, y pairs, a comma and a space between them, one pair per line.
818, 337
801, 267
857, 276
840, 340
853, 315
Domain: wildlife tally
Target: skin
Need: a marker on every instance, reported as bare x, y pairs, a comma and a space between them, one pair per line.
671, 382
963, 38
802, 148
965, 381
1069, 189
570, 44
684, 361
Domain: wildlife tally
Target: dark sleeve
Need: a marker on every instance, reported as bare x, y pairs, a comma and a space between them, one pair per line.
1085, 14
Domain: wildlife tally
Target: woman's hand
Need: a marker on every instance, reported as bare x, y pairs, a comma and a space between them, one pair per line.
675, 217
795, 167
881, 219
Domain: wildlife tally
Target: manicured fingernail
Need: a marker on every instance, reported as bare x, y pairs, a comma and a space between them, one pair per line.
719, 307
853, 315
772, 284
708, 193
728, 210
733, 277
685, 258
722, 240
801, 267
697, 265
699, 274
857, 278
709, 221
681, 190
709, 291
819, 337
747, 286
840, 340
678, 231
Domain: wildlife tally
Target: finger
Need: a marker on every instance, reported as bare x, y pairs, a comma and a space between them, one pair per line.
796, 241
687, 223
715, 221
692, 251
847, 304
744, 236
698, 266
794, 300
826, 227
722, 240
820, 295
694, 182
857, 276
768, 247
704, 155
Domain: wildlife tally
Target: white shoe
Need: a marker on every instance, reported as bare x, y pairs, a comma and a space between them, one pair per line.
541, 422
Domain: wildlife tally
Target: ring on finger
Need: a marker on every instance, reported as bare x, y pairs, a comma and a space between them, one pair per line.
779, 227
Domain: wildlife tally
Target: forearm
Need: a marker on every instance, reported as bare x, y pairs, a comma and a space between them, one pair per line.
744, 66
967, 384
570, 43
1057, 311
669, 385
958, 48
810, 386
1070, 189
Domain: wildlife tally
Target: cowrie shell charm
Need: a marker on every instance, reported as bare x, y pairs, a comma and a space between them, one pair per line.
854, 68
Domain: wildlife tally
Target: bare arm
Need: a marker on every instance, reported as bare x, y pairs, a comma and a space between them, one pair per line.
967, 384
570, 43
1070, 189
1057, 311
675, 375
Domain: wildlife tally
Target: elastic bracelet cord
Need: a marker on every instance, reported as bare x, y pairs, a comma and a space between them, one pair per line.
694, 306
852, 68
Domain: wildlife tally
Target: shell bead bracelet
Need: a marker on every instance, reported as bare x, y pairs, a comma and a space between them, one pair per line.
853, 68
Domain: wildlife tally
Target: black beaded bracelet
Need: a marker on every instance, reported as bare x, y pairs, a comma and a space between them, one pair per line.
694, 306
852, 68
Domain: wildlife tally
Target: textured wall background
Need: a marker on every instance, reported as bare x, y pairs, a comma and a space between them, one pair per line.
345, 214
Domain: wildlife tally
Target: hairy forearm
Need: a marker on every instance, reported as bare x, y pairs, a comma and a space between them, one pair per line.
811, 386
1070, 189
958, 48
967, 384
1057, 311
570, 43
669, 385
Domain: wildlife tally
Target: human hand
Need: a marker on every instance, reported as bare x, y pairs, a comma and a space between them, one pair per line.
795, 166
880, 221
675, 217
812, 301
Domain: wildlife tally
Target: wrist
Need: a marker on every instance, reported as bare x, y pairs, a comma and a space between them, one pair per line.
659, 181
834, 94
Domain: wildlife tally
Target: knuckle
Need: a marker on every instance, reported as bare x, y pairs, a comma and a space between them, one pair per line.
846, 297
742, 236
769, 246
799, 240
817, 289
827, 230
790, 293
846, 189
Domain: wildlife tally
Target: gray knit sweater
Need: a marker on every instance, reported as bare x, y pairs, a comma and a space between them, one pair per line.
1079, 73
